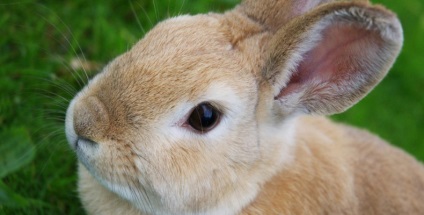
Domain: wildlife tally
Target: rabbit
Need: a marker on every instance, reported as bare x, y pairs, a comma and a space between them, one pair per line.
226, 114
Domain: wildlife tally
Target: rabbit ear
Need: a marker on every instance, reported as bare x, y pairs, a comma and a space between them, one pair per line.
327, 60
273, 14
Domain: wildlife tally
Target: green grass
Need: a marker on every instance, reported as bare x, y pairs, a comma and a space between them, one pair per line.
39, 40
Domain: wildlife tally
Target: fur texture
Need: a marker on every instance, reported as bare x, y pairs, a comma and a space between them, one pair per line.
263, 66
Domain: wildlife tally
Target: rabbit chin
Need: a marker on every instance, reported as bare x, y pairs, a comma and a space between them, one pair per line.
152, 204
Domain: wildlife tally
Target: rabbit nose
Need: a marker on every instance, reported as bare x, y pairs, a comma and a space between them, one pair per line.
90, 119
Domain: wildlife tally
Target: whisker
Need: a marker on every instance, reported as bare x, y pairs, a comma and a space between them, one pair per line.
62, 61
65, 86
53, 110
145, 14
136, 17
66, 39
78, 44
75, 72
61, 107
60, 119
181, 8
167, 12
53, 95
156, 11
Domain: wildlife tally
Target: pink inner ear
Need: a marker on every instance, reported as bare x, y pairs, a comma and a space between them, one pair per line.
303, 6
340, 55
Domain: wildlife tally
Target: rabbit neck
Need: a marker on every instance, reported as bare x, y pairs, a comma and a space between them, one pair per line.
317, 175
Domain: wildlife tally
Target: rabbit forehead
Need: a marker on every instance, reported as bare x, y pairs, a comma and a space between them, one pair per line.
184, 36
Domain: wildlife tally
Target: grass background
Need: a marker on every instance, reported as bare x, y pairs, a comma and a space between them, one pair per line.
40, 40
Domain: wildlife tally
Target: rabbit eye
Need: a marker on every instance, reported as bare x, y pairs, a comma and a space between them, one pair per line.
204, 117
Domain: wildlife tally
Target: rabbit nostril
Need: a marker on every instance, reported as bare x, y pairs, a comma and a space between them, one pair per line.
90, 119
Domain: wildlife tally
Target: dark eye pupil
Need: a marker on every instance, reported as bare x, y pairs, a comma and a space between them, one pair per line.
204, 117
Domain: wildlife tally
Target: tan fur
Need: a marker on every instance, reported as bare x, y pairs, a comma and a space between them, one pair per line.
138, 156
343, 170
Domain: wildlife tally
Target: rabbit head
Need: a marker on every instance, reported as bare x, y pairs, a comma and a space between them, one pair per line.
197, 115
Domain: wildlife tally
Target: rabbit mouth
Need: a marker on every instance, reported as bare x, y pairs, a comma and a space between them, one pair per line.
84, 144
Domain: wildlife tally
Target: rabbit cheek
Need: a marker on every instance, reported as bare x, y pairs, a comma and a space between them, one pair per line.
205, 176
